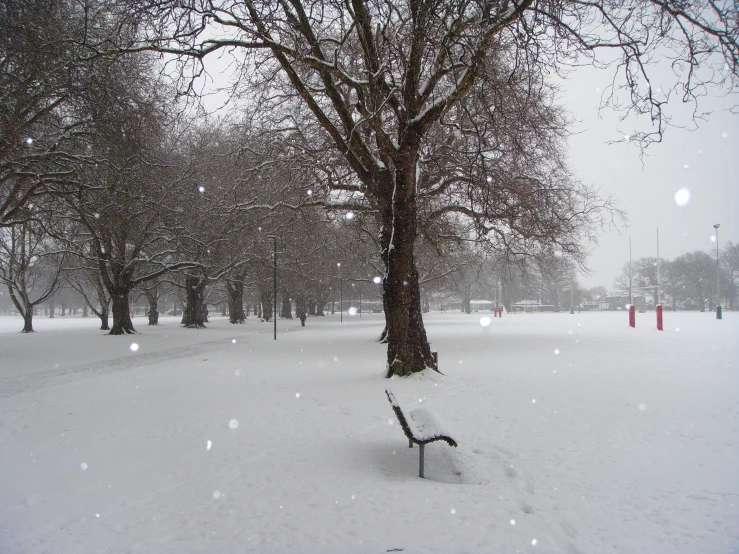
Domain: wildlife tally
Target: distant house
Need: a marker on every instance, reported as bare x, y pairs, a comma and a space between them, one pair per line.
531, 306
613, 301
481, 305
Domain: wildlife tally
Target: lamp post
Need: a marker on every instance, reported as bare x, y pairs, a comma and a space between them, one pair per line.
274, 284
718, 277
341, 295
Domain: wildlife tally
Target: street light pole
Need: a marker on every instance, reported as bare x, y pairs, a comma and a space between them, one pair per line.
274, 284
718, 277
341, 295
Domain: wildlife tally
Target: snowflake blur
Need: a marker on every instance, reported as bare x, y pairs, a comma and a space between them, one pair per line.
485, 321
682, 197
134, 347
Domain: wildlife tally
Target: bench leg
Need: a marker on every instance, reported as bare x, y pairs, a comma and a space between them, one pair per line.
420, 467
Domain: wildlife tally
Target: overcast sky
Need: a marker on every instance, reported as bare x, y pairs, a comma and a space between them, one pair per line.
705, 161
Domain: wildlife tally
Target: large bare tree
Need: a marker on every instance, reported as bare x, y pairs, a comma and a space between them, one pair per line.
378, 76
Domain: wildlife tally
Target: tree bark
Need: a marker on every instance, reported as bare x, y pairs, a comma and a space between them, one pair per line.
103, 315
265, 297
153, 297
287, 307
194, 315
235, 290
28, 321
408, 349
122, 323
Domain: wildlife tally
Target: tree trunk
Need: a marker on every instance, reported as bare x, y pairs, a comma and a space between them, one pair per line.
28, 321
466, 308
153, 297
408, 350
103, 315
122, 323
52, 309
266, 300
194, 315
287, 307
300, 304
84, 311
235, 290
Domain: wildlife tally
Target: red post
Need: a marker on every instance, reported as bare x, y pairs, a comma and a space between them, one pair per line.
632, 316
495, 312
659, 317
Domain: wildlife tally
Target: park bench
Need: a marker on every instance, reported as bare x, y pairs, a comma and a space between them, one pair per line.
421, 426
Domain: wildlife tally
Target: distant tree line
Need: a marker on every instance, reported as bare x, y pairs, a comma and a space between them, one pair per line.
686, 282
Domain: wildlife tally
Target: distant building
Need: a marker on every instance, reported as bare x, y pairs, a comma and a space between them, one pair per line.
613, 301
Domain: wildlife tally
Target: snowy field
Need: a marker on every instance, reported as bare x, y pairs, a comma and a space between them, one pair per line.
576, 434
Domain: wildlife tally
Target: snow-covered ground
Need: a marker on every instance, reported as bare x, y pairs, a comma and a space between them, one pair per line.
576, 434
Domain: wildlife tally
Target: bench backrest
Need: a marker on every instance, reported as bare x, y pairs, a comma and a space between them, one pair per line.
407, 428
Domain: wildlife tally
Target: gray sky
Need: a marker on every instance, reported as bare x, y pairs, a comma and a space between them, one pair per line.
646, 192
706, 161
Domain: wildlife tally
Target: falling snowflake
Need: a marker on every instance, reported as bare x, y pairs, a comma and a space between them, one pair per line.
201, 189
336, 358
233, 341
134, 347
83, 466
377, 280
233, 424
350, 215
216, 494
297, 395
390, 422
453, 511
682, 197
513, 522
534, 542
29, 141
533, 400
485, 321
237, 372
208, 445
556, 351
642, 407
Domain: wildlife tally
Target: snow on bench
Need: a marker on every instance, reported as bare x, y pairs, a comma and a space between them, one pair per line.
422, 426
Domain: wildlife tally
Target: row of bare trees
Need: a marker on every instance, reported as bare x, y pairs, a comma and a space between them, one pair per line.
434, 123
689, 280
